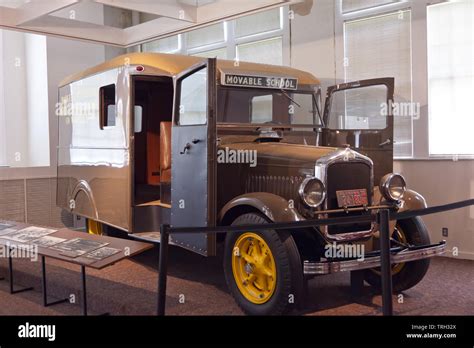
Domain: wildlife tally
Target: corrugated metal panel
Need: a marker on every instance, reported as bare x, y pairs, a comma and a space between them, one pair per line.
12, 200
40, 206
38, 201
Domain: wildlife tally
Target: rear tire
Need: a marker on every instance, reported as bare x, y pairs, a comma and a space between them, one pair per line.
98, 228
284, 282
411, 273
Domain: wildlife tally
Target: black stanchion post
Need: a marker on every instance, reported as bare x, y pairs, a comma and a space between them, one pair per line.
163, 269
357, 283
386, 267
43, 281
84, 291
10, 270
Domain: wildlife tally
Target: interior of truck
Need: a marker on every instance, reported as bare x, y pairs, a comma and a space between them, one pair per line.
152, 114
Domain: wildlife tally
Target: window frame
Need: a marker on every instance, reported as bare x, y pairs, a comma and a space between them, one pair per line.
420, 131
104, 106
231, 42
3, 121
177, 106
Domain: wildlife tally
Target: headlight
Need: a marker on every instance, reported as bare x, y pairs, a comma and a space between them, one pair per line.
312, 192
393, 186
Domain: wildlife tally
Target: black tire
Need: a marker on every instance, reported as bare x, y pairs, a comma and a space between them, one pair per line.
289, 273
114, 232
412, 272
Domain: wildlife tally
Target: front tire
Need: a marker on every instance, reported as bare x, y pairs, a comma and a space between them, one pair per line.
263, 269
405, 275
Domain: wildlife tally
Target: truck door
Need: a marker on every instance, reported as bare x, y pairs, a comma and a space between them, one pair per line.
359, 114
193, 155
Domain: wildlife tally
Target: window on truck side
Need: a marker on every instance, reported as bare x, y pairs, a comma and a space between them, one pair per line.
108, 110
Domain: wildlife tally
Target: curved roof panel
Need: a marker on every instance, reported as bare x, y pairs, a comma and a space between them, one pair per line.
173, 64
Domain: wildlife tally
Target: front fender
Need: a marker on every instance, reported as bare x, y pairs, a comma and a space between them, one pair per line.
274, 207
412, 200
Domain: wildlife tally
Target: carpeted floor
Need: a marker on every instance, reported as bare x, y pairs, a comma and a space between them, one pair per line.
196, 286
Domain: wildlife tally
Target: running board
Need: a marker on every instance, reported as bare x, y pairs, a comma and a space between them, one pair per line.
151, 237
406, 255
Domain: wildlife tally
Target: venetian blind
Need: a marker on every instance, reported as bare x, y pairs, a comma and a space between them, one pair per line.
380, 46
357, 5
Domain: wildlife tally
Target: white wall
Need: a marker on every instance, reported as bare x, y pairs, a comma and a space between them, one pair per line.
312, 40
314, 48
32, 92
442, 182
15, 94
37, 102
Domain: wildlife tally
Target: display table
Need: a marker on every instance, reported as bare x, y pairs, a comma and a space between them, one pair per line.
125, 248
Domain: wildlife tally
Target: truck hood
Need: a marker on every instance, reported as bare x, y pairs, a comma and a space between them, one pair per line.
279, 153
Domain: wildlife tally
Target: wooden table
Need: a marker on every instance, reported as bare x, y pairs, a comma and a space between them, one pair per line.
129, 248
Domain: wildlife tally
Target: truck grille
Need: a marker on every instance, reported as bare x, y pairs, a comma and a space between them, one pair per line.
347, 176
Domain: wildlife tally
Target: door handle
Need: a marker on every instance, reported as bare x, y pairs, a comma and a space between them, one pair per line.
386, 142
186, 148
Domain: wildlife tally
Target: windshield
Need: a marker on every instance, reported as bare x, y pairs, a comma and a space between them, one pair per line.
267, 106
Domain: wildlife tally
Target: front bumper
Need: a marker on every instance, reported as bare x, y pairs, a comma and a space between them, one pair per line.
373, 260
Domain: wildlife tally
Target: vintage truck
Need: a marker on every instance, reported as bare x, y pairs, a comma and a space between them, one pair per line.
147, 139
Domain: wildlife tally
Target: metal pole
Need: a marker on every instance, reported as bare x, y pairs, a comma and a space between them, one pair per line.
10, 269
43, 269
386, 267
163, 269
84, 293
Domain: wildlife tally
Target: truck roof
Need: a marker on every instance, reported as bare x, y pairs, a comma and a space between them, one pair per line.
173, 64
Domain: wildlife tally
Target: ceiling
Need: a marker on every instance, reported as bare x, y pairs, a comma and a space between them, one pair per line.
122, 23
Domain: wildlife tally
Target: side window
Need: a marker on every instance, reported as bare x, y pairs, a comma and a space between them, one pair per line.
193, 100
138, 110
359, 108
108, 110
261, 109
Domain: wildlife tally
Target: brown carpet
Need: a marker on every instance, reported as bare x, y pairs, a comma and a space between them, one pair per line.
196, 286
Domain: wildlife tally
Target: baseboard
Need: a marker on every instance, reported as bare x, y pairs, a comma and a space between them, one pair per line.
462, 255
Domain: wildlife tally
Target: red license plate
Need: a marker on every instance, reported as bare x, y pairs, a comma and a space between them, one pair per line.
352, 198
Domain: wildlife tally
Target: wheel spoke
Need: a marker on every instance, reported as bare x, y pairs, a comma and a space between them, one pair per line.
246, 257
251, 278
267, 271
262, 281
257, 248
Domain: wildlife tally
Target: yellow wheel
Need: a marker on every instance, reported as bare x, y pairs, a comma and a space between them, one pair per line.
263, 269
94, 227
400, 237
253, 267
